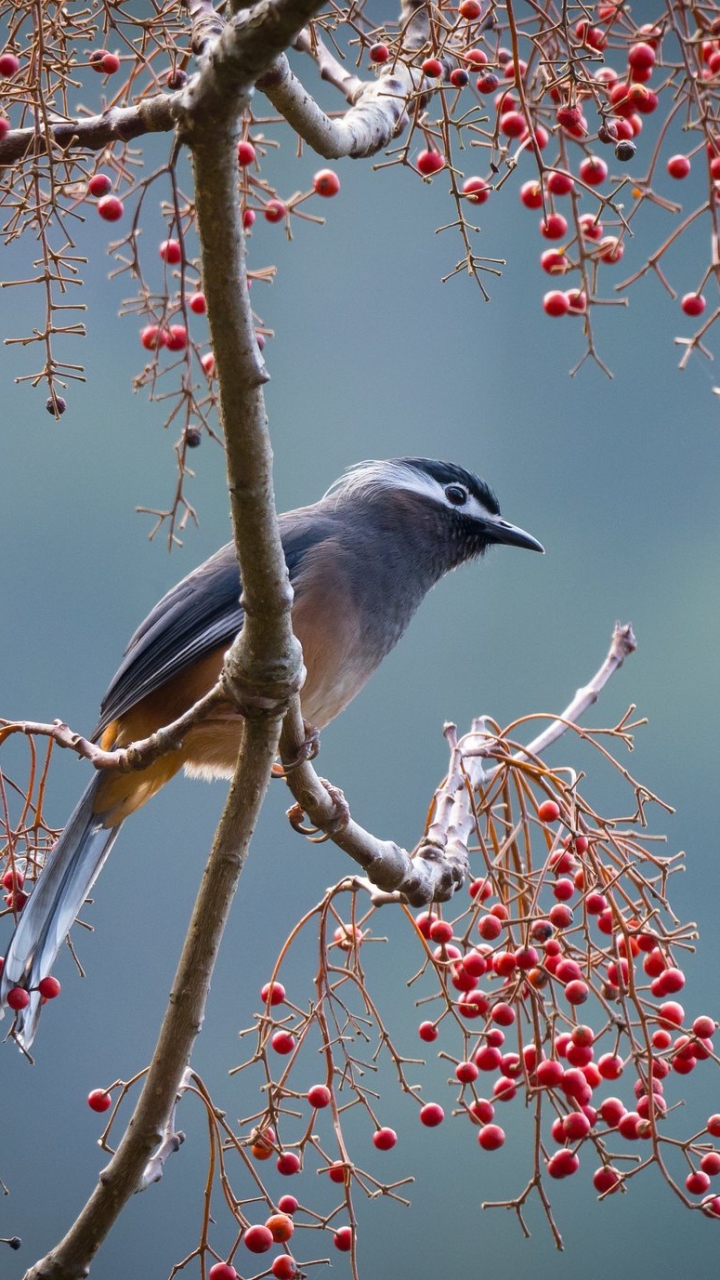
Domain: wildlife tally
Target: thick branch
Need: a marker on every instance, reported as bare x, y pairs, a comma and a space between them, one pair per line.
119, 124
378, 115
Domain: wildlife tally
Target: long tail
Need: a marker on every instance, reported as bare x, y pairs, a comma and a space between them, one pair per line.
48, 915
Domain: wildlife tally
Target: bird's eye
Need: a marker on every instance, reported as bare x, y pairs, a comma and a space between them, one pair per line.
456, 495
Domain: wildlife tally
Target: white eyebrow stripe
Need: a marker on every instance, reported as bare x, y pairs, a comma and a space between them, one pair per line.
371, 477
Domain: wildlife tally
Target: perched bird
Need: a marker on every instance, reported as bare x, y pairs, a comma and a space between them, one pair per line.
360, 561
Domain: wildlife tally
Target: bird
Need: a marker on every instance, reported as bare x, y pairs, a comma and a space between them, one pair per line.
360, 561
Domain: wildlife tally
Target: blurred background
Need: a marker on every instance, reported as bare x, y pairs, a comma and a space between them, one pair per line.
372, 357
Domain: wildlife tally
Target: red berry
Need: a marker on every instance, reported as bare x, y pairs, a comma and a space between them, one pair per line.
176, 338
563, 1164
606, 1179
110, 63
197, 303
152, 337
283, 1042
430, 162
704, 1027
95, 60
4, 126
9, 65
612, 1110
343, 1239
288, 1163
379, 53
273, 993
326, 183
459, 77
693, 304
245, 153
593, 170
610, 249
577, 992
280, 1227
284, 1267
559, 183
18, 998
274, 211
258, 1239
487, 83
470, 10
503, 1014
697, 1182
428, 1032
549, 1073
678, 166
319, 1096
248, 218
431, 1115
441, 931
288, 1204
170, 251
628, 1125
466, 1072
710, 1163
531, 195
432, 67
110, 208
476, 190
99, 184
222, 1271
561, 916
384, 1139
555, 303
549, 811
49, 988
512, 124
491, 1137
99, 1100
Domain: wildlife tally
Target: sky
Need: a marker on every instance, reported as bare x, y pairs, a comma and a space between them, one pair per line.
373, 356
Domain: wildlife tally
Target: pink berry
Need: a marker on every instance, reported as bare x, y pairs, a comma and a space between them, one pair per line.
110, 208
430, 162
549, 1073
641, 56
491, 1137
343, 1239
577, 992
258, 1239
197, 303
697, 1183
441, 931
274, 211
710, 1163
704, 1027
152, 337
610, 249
384, 1139
245, 153
288, 1204
319, 1096
170, 251
248, 218
110, 63
431, 1115
208, 363
326, 183
99, 1100
693, 304
288, 1163
512, 124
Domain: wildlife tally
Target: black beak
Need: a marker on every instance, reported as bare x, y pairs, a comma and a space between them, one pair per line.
502, 531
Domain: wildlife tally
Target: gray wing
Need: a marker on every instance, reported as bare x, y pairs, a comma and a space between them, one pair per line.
198, 615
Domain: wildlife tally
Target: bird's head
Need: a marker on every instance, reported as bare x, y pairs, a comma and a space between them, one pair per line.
453, 514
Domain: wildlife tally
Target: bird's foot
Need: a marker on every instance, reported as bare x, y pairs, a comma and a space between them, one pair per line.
307, 751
